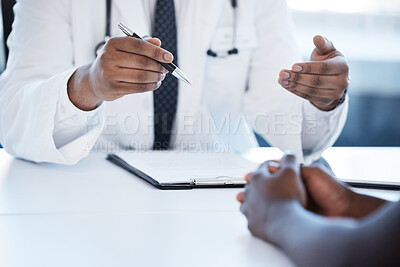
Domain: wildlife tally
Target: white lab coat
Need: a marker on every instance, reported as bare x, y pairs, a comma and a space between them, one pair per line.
50, 39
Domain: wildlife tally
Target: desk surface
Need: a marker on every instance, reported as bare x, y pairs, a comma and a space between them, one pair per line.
137, 239
96, 214
95, 185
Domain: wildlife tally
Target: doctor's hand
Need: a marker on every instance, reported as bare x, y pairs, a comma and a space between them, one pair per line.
266, 193
124, 66
323, 81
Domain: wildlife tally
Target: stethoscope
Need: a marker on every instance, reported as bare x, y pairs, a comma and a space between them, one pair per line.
210, 52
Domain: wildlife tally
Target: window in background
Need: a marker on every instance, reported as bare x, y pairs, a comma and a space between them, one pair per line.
368, 34
346, 6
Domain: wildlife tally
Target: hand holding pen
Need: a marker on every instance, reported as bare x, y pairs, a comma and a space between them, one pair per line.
124, 66
171, 67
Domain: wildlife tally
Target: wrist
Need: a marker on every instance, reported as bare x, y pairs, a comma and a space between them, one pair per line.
334, 104
325, 108
279, 217
79, 90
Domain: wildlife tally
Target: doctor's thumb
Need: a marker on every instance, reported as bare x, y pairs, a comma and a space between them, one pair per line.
323, 45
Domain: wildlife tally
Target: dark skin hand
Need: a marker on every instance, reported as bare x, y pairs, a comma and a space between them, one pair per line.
316, 191
264, 187
323, 81
326, 196
275, 203
124, 66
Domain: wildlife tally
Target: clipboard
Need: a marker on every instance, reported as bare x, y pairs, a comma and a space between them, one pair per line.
192, 181
368, 184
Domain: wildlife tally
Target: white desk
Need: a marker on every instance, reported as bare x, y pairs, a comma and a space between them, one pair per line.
134, 239
95, 214
94, 185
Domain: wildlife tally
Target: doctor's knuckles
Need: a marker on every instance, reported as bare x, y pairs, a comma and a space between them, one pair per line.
124, 66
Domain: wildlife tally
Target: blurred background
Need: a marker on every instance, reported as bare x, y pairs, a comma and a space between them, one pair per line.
367, 32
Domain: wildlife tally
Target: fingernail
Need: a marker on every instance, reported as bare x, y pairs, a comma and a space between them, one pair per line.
163, 75
158, 85
165, 71
285, 83
274, 164
167, 57
286, 75
297, 68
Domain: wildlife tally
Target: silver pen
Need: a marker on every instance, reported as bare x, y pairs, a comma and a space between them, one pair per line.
171, 67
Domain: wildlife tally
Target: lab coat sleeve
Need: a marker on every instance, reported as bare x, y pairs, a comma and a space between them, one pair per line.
38, 122
321, 128
276, 114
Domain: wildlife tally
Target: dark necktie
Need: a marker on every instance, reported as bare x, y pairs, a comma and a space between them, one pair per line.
166, 97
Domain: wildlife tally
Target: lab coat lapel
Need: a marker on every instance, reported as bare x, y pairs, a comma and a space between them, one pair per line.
196, 25
197, 22
133, 14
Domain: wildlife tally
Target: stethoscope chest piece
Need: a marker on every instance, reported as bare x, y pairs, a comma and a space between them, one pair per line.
234, 50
